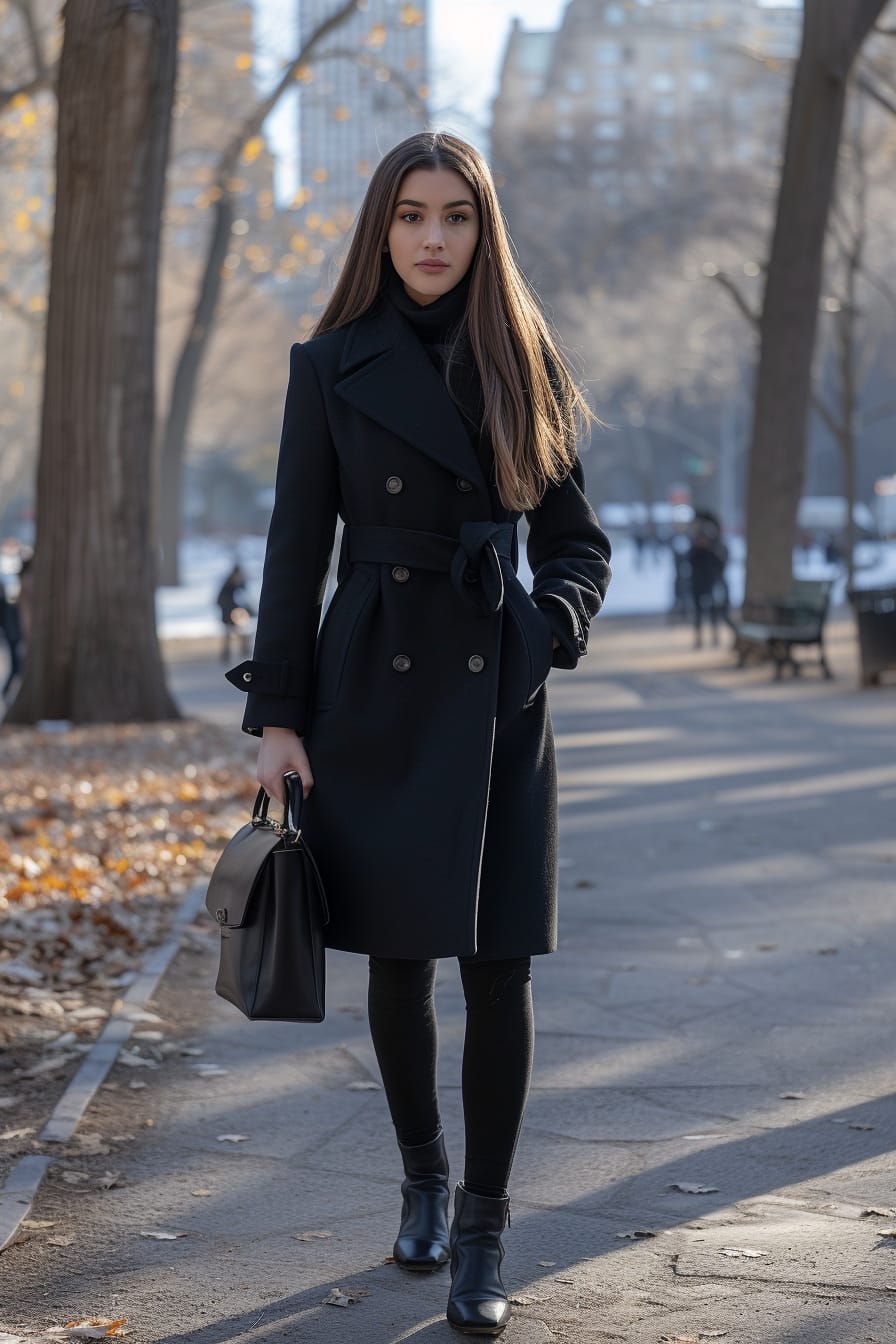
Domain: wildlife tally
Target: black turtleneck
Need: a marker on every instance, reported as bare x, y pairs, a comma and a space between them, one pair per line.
438, 326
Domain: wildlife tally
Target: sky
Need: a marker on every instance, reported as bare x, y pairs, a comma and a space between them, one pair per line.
467, 42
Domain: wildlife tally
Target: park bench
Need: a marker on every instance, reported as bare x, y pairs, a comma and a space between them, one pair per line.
772, 628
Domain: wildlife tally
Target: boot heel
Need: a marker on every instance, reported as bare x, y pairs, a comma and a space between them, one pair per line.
422, 1242
477, 1302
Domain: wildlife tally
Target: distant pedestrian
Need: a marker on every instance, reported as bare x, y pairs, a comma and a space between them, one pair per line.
235, 613
681, 582
707, 573
11, 631
431, 408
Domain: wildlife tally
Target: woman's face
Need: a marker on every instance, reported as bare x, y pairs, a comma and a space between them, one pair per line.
434, 232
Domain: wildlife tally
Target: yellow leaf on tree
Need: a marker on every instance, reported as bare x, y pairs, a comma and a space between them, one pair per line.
38, 303
302, 197
298, 242
411, 16
377, 35
15, 387
252, 148
304, 74
320, 175
342, 113
20, 100
29, 118
33, 203
22, 221
243, 61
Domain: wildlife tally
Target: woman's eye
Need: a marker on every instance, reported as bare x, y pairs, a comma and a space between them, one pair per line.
458, 219
411, 217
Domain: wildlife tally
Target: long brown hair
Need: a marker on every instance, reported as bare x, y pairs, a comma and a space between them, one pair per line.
533, 408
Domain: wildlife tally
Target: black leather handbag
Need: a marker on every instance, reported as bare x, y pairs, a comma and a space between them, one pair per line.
268, 899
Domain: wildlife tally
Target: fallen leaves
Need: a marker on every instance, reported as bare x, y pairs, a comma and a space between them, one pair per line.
345, 1297
367, 1085
693, 1339
101, 830
741, 1253
233, 1138
311, 1236
95, 1328
637, 1235
686, 1188
792, 1096
164, 1236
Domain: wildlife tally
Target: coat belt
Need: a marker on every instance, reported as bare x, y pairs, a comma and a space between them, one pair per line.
473, 558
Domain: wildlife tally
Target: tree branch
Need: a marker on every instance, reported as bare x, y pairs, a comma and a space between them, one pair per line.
14, 304
866, 86
746, 311
41, 77
827, 416
259, 114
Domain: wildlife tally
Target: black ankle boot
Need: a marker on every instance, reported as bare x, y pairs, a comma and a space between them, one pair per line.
422, 1241
477, 1303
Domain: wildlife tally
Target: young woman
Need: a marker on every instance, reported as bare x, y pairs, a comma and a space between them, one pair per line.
429, 411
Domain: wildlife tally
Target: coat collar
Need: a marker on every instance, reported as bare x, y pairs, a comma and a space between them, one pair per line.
388, 376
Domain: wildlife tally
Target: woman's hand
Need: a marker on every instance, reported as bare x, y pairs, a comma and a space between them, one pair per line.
281, 751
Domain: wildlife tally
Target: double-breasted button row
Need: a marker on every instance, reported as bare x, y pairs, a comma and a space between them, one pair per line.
394, 484
401, 574
401, 662
475, 662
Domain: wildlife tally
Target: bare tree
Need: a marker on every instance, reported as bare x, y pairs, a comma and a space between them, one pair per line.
195, 344
833, 34
94, 654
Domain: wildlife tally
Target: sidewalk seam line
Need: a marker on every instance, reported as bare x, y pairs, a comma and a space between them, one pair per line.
23, 1181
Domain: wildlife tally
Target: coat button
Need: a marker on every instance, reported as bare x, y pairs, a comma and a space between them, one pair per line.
394, 484
476, 662
400, 574
464, 484
401, 662
247, 676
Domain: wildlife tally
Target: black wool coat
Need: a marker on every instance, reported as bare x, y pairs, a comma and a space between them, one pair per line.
421, 698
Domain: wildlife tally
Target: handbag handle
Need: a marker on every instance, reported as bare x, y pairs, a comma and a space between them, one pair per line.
291, 825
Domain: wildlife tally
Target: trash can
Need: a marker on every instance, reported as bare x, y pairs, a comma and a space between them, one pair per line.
875, 610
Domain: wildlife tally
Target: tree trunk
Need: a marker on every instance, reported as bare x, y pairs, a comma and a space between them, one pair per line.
833, 32
189, 362
94, 654
183, 393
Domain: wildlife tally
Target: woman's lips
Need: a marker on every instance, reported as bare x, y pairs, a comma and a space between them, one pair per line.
433, 266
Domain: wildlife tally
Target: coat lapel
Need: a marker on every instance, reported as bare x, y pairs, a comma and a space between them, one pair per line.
388, 376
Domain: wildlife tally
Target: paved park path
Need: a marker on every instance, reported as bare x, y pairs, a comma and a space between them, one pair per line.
720, 1017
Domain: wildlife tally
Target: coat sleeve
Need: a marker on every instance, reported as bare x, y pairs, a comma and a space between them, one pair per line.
297, 559
569, 555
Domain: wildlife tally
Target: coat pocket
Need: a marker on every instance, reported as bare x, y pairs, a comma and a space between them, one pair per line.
535, 636
337, 631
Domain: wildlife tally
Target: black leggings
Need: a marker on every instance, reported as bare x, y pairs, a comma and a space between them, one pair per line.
497, 1057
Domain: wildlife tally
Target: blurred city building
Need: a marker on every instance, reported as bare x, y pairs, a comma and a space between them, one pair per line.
634, 93
368, 90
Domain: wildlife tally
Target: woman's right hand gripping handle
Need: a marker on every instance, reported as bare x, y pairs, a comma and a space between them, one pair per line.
280, 751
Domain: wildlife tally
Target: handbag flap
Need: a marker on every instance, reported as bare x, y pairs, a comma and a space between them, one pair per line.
233, 880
